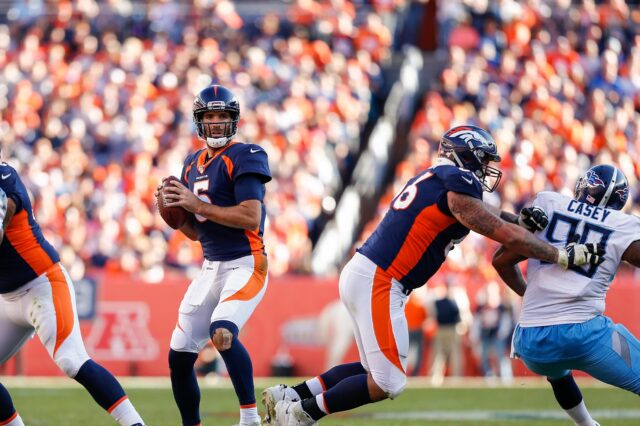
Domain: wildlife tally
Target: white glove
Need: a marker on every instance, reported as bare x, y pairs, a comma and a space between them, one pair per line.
574, 254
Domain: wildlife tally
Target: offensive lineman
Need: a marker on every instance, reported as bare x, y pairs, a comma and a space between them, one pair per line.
37, 296
562, 326
435, 210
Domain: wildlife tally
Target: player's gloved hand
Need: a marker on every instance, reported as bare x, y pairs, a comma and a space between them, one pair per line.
533, 218
574, 254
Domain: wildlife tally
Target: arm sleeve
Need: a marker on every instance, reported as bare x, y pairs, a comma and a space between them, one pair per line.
185, 169
8, 185
462, 182
254, 161
249, 186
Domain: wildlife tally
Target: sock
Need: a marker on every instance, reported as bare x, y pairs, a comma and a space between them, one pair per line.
570, 399
14, 420
328, 379
101, 385
350, 393
249, 414
185, 386
238, 363
125, 414
8, 414
7, 410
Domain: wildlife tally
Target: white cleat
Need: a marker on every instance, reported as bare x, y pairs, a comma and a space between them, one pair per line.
270, 396
290, 413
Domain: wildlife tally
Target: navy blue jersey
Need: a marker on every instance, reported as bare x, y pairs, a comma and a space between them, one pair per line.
24, 252
419, 230
213, 181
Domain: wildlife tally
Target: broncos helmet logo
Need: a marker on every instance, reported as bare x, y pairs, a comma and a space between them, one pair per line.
468, 135
593, 180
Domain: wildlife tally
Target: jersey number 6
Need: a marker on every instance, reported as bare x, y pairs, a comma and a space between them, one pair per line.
408, 194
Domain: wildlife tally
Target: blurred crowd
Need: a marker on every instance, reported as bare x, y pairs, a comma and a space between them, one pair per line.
95, 108
557, 83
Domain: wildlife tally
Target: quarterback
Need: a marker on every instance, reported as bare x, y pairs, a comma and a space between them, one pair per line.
223, 186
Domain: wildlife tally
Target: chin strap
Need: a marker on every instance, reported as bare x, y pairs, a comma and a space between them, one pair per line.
217, 142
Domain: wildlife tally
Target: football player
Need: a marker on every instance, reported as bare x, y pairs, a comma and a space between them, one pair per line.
562, 326
37, 296
435, 210
223, 185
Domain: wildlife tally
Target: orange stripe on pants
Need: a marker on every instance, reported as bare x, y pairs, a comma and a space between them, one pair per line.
381, 315
256, 281
62, 304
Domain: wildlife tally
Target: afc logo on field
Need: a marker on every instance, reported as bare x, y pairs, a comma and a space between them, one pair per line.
121, 333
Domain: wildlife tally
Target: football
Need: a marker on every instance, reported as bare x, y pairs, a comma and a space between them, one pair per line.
174, 216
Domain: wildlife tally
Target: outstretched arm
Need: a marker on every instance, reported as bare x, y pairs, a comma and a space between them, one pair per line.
506, 216
506, 263
474, 214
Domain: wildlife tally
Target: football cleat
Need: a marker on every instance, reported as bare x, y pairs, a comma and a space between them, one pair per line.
256, 423
290, 413
272, 395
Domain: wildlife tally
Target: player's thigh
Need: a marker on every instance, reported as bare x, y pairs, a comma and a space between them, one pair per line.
376, 303
553, 370
191, 333
54, 316
12, 336
244, 286
617, 359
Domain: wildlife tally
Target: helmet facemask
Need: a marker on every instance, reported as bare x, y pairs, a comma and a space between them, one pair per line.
477, 161
216, 133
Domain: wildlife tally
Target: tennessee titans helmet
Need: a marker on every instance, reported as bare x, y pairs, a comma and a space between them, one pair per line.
603, 185
472, 148
216, 98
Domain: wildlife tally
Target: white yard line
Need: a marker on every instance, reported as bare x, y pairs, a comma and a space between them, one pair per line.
486, 415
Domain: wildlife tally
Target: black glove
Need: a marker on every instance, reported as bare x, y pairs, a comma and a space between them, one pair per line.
574, 254
533, 218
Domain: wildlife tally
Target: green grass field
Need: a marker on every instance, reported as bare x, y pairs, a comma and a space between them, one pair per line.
61, 402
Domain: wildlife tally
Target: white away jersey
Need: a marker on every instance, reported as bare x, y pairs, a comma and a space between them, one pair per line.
558, 296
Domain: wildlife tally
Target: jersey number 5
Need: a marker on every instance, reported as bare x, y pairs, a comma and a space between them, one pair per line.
199, 188
561, 228
408, 194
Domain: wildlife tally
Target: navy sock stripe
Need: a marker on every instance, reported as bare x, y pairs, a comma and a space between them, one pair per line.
103, 387
350, 393
184, 385
7, 410
566, 391
238, 363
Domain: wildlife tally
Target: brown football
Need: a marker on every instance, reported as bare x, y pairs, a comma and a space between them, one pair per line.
174, 216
